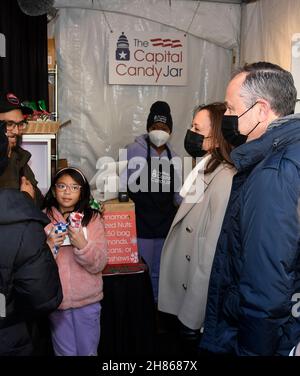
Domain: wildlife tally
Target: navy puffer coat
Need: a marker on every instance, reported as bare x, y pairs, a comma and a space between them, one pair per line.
255, 279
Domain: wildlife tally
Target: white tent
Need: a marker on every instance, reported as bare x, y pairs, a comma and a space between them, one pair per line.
106, 117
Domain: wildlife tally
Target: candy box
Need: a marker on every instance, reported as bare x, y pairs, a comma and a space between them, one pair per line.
61, 227
75, 219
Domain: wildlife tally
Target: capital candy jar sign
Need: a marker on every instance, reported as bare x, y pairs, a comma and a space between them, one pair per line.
147, 58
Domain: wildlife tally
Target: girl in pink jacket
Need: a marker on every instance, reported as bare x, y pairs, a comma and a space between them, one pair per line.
81, 255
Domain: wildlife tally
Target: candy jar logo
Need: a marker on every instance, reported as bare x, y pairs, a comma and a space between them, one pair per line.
122, 51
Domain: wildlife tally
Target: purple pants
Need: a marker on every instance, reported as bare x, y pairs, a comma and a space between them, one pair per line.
150, 250
76, 331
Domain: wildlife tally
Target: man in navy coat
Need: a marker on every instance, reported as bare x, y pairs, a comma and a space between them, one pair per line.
255, 280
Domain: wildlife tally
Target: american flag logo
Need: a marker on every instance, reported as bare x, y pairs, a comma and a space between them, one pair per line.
159, 42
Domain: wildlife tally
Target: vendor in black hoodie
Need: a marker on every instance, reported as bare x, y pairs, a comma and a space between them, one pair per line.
29, 279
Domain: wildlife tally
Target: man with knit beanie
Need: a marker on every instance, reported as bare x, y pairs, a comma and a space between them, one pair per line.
151, 185
18, 173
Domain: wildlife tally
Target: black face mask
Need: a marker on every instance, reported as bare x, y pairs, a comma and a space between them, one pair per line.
230, 129
193, 144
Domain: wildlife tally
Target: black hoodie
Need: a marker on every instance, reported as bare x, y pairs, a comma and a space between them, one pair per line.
29, 279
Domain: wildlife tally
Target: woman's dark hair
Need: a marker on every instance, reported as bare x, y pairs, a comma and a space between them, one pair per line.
83, 205
221, 149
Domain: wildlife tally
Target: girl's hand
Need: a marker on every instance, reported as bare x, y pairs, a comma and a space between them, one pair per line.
54, 239
77, 238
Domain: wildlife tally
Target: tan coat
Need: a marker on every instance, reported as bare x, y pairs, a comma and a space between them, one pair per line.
189, 249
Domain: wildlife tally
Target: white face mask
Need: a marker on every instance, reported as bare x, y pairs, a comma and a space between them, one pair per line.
158, 138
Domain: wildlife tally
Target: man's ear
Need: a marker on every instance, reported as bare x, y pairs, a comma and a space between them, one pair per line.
264, 110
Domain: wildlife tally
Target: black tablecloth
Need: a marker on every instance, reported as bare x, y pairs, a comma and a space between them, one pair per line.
127, 317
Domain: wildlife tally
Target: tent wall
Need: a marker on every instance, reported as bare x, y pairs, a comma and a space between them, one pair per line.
106, 117
267, 29
212, 21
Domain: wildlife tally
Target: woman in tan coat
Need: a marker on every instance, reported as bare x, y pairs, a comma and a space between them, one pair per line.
189, 248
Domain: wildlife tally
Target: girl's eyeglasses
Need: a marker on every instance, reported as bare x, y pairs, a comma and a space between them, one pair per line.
72, 187
10, 125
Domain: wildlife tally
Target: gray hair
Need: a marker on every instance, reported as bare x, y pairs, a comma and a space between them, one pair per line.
270, 82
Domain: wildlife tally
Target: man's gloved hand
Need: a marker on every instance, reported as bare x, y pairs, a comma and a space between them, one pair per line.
3, 147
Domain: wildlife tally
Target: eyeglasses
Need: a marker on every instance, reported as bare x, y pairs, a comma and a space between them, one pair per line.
10, 125
72, 187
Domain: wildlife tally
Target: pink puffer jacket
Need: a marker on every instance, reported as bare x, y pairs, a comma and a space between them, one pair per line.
80, 269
